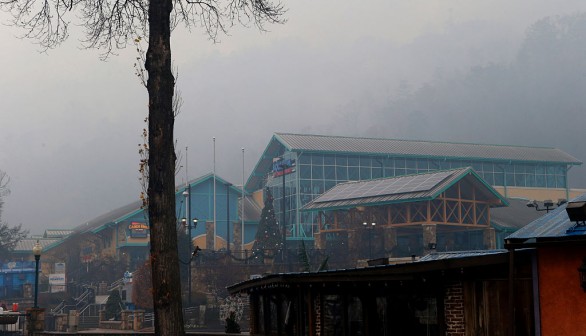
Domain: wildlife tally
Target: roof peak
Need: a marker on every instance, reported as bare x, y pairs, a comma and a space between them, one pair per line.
409, 140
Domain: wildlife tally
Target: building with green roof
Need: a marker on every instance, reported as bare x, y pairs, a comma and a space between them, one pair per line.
306, 166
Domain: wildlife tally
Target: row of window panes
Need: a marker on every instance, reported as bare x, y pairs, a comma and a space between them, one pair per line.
517, 175
426, 164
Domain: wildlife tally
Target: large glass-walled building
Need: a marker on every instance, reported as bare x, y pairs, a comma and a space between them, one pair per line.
309, 165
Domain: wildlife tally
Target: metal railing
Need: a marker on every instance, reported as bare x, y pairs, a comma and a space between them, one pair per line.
12, 323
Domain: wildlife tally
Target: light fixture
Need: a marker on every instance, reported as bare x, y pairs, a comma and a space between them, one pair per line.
37, 249
577, 212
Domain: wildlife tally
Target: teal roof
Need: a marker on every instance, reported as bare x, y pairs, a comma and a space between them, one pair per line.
404, 148
408, 188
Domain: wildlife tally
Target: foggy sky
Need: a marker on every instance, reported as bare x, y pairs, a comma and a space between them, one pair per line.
70, 124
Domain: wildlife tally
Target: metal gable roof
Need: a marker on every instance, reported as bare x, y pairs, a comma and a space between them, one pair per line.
552, 225
323, 143
391, 192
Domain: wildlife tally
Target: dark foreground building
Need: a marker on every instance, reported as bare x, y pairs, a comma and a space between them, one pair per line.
535, 287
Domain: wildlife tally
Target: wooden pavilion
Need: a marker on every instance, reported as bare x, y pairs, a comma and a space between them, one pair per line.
408, 215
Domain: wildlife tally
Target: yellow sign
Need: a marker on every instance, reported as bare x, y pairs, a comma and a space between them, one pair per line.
138, 226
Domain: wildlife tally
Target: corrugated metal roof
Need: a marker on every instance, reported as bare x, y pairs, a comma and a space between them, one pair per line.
323, 143
514, 216
26, 245
57, 233
551, 225
325, 201
458, 254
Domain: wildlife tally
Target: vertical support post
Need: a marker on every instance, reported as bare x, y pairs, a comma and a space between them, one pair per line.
228, 217
283, 215
37, 258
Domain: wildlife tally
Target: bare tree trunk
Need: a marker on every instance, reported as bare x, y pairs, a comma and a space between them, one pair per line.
161, 189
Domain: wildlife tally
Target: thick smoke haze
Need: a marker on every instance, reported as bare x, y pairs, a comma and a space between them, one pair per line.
495, 72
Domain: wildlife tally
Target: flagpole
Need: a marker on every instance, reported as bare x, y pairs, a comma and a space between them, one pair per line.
214, 239
242, 204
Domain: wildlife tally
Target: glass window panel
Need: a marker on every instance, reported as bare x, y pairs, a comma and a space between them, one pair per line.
353, 161
330, 172
389, 163
365, 173
444, 165
317, 172
551, 170
341, 160
511, 179
317, 159
550, 181
434, 165
510, 168
377, 172
530, 180
560, 170
411, 163
487, 167
305, 171
329, 184
400, 163
477, 166
560, 181
304, 159
365, 161
499, 178
520, 180
329, 160
317, 187
540, 180
389, 172
305, 186
423, 164
353, 173
489, 178
411, 171
540, 169
400, 172
341, 173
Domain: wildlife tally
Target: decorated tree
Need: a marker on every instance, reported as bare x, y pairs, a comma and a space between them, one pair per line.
268, 235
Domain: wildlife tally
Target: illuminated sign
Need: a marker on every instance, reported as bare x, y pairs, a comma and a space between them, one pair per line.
138, 226
283, 166
138, 230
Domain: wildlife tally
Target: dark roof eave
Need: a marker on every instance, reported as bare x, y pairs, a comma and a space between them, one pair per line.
388, 272
518, 243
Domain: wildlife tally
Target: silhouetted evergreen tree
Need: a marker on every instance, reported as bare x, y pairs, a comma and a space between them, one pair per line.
268, 237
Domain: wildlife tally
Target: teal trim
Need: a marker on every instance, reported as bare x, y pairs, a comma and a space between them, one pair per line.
440, 157
125, 217
127, 244
344, 207
471, 171
503, 229
103, 227
264, 157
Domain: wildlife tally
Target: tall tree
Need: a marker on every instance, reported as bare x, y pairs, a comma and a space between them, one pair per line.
111, 24
9, 236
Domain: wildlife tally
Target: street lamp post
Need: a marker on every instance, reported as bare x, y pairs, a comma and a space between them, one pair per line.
188, 226
37, 249
228, 185
370, 228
